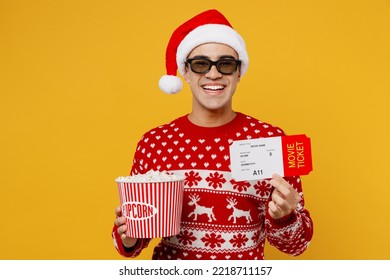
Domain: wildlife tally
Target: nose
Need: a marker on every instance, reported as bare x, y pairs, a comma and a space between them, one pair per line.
213, 73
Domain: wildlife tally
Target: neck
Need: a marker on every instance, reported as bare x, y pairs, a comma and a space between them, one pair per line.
211, 118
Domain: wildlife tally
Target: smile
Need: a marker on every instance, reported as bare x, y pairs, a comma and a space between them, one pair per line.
213, 88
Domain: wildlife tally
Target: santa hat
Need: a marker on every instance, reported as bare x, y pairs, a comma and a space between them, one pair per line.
207, 27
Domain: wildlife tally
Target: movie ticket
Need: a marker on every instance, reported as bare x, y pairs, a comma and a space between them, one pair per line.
256, 159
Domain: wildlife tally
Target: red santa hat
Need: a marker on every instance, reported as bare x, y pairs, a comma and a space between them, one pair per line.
207, 27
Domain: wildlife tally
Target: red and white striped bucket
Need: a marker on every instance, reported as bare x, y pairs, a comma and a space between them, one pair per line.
152, 209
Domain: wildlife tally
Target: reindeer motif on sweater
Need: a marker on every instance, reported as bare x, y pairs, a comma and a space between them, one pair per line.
201, 155
199, 209
237, 213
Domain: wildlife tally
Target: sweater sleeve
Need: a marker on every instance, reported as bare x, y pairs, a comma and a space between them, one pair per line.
291, 234
133, 252
140, 158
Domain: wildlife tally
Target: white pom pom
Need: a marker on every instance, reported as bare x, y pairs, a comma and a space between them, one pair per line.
170, 84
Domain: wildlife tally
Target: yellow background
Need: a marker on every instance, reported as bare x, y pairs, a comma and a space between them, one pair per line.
78, 85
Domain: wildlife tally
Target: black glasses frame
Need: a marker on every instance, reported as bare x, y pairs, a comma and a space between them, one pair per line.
216, 63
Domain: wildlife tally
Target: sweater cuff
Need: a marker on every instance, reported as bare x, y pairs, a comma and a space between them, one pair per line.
126, 252
129, 250
286, 220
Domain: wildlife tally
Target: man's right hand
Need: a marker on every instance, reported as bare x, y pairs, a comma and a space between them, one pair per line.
120, 222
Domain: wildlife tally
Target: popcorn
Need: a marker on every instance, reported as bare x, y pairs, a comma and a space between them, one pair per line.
150, 176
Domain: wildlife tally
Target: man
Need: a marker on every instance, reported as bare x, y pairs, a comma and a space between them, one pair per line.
222, 218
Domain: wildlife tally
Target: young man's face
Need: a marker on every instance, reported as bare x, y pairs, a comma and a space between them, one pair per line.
212, 91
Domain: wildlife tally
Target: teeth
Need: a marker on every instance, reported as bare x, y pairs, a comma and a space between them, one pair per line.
213, 87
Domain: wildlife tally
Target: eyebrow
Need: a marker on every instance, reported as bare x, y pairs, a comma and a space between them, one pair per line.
220, 57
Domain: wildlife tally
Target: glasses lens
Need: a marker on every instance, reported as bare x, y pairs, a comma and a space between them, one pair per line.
200, 65
224, 66
227, 66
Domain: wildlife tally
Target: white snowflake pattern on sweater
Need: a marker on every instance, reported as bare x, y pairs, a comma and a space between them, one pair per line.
221, 218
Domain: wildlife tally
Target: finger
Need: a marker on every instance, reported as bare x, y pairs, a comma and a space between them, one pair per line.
279, 182
282, 204
278, 178
120, 221
279, 199
285, 188
121, 230
274, 210
286, 204
118, 211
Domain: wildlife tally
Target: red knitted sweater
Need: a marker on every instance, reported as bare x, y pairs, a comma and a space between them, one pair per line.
221, 218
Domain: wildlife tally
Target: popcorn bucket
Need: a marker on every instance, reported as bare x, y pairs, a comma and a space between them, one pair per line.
152, 209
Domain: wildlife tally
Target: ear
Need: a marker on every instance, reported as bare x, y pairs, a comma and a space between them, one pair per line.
186, 73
